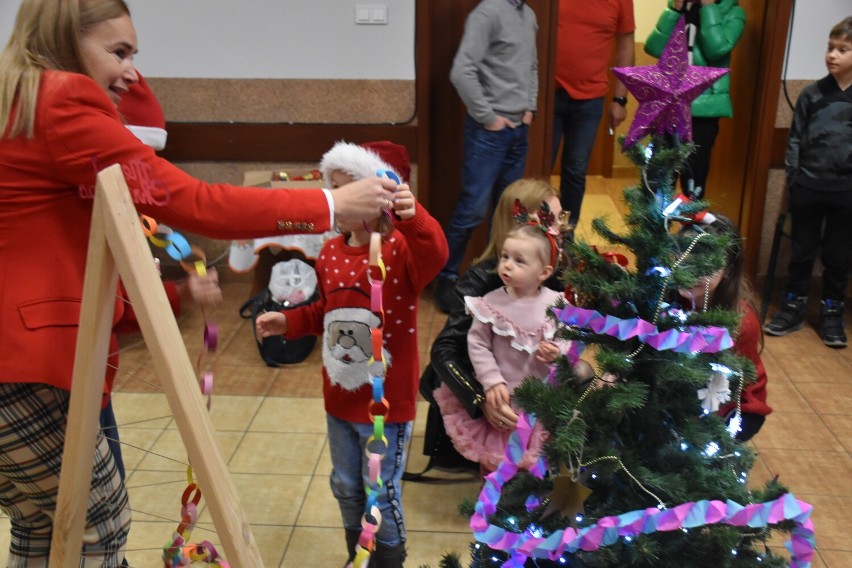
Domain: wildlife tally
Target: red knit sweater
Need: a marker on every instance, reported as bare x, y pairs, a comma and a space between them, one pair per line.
413, 253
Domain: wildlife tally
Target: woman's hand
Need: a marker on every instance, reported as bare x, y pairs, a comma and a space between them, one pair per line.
363, 200
497, 410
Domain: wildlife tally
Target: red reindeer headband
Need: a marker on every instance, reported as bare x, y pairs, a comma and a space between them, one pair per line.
544, 220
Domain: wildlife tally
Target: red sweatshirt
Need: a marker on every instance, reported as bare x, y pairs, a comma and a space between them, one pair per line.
747, 344
413, 254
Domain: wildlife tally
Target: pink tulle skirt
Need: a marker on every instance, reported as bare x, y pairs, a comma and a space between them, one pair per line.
476, 439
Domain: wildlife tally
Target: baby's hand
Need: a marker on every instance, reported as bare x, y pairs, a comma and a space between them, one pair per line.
547, 352
497, 409
271, 323
404, 203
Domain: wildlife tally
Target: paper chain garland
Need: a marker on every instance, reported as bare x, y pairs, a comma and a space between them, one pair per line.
609, 529
179, 551
695, 340
377, 444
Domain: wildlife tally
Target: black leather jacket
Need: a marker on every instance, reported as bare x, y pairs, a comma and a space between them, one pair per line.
449, 351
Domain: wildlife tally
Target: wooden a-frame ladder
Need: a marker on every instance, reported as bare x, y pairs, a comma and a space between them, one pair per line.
118, 247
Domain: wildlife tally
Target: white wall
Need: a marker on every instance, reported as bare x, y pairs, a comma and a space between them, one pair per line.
812, 21
262, 39
305, 39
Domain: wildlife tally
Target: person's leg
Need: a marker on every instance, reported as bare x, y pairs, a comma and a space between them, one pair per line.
110, 430
483, 158
350, 476
32, 429
580, 125
697, 165
836, 244
836, 261
560, 105
560, 108
806, 215
346, 485
514, 161
750, 425
390, 540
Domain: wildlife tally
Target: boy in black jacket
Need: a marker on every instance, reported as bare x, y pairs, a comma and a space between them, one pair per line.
819, 176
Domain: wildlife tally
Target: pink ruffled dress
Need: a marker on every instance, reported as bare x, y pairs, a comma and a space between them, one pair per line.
502, 342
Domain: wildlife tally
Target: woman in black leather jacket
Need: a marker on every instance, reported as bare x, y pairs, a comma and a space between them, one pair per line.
449, 351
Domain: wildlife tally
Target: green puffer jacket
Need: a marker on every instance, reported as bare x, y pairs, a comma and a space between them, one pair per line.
720, 27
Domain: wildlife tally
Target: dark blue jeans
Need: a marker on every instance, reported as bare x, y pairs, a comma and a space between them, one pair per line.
576, 120
491, 161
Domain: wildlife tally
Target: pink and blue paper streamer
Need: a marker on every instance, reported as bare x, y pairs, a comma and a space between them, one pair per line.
609, 529
694, 339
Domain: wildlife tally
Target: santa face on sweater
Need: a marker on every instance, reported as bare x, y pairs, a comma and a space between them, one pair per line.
347, 349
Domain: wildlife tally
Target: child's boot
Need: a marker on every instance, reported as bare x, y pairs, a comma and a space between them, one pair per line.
351, 543
388, 556
831, 323
790, 318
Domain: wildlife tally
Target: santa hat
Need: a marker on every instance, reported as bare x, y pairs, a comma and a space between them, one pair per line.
144, 115
364, 160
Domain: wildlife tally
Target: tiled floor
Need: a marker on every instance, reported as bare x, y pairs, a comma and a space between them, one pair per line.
270, 426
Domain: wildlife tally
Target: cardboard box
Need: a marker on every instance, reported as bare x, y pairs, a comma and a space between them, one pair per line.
263, 254
272, 179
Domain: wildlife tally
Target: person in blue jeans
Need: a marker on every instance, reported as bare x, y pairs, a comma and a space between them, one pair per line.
586, 35
495, 72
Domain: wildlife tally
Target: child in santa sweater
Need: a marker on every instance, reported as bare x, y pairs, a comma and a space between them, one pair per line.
413, 250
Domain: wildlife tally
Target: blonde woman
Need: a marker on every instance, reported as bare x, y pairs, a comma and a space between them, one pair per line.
62, 74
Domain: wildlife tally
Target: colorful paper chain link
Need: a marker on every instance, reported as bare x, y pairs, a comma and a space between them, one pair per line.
696, 339
377, 444
609, 529
179, 551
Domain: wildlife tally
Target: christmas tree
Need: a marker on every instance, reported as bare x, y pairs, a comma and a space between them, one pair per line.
638, 469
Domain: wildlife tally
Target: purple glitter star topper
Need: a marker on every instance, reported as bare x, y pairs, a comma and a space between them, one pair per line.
666, 90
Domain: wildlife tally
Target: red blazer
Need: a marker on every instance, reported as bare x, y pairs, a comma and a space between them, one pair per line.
46, 188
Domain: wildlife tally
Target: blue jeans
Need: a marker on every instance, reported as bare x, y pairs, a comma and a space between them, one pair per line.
578, 121
491, 161
349, 474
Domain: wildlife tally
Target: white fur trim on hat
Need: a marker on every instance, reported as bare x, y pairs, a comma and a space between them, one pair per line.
358, 162
150, 135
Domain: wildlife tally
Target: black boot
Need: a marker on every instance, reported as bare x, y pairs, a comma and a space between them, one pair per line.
351, 544
831, 323
790, 318
387, 556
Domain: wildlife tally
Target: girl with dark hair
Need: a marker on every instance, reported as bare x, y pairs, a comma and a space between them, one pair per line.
729, 289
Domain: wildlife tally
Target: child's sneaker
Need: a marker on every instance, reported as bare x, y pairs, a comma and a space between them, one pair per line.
831, 323
790, 318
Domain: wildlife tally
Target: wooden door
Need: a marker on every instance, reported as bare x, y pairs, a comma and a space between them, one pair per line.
442, 22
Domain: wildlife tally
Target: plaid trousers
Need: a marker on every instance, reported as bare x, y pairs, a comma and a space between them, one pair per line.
33, 419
